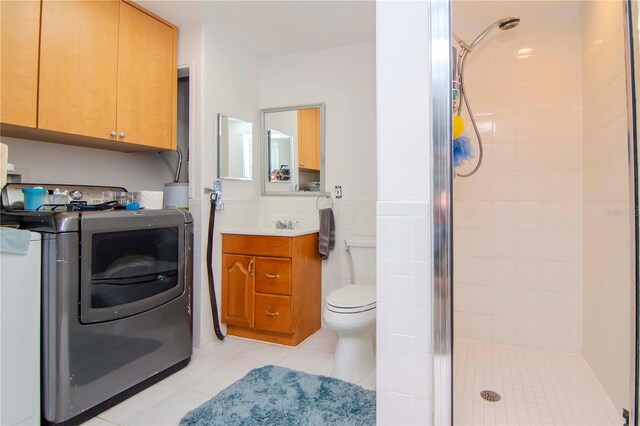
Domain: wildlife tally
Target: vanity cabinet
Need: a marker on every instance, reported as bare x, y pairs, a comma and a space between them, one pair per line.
271, 287
20, 38
309, 139
105, 76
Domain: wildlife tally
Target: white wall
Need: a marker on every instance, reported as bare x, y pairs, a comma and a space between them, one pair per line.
404, 351
231, 80
518, 220
344, 79
55, 163
607, 231
227, 83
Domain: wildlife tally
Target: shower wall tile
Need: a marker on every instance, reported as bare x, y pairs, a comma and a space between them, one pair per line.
607, 213
518, 239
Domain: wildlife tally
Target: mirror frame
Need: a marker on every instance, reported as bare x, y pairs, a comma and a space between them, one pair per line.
218, 148
264, 150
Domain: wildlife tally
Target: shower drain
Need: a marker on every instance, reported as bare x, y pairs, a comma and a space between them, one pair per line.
490, 396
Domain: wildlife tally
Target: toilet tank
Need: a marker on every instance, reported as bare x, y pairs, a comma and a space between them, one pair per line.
363, 259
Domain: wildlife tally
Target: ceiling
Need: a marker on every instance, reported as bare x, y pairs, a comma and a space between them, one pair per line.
271, 28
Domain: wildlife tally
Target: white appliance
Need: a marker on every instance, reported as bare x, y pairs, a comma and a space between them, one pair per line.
351, 312
176, 195
20, 335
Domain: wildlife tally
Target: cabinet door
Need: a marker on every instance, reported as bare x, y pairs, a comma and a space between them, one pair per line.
237, 290
78, 67
309, 138
20, 35
147, 80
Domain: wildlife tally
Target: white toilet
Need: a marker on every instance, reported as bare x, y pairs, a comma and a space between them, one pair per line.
351, 312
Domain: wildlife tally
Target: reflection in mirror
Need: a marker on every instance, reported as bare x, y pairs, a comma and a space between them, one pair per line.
280, 149
235, 148
293, 150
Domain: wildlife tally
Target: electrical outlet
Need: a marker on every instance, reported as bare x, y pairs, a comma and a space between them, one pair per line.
338, 191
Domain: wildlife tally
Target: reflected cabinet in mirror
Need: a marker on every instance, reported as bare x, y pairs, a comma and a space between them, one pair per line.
293, 150
235, 147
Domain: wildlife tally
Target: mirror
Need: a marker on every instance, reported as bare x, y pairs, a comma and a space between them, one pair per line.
235, 148
293, 150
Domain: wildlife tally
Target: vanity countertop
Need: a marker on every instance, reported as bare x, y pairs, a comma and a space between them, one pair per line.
270, 232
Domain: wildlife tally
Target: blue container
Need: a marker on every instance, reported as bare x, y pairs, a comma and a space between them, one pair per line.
33, 197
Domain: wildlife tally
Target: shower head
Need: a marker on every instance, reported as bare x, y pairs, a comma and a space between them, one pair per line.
504, 24
509, 23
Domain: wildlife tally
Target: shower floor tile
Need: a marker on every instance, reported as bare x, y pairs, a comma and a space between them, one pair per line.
537, 387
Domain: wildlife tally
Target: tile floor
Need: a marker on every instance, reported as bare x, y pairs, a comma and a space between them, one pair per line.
537, 387
213, 368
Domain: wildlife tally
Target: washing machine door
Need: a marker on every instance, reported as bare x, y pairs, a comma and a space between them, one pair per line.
131, 262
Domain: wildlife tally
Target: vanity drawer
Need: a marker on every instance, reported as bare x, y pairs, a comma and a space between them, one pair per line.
257, 245
273, 313
273, 275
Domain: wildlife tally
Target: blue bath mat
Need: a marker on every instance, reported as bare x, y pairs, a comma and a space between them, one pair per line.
278, 396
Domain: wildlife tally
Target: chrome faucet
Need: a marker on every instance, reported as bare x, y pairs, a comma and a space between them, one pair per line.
284, 224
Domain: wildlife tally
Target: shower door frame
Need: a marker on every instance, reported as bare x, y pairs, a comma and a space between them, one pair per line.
442, 198
632, 60
442, 219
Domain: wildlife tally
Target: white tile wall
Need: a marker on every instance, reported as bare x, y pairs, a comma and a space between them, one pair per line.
518, 221
404, 350
404, 366
606, 199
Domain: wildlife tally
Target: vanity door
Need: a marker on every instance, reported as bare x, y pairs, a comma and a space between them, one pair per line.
238, 285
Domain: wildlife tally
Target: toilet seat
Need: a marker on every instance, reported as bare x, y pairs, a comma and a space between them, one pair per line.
352, 299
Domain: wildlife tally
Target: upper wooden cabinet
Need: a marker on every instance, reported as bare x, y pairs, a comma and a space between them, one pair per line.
107, 75
79, 67
20, 39
309, 139
147, 79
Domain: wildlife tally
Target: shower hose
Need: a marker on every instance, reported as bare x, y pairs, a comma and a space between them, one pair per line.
463, 95
212, 289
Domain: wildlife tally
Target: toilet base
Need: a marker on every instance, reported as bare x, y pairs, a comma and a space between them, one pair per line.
354, 357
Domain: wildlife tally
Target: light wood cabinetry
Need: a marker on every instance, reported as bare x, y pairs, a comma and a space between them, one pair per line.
271, 287
107, 76
146, 80
20, 40
79, 67
309, 139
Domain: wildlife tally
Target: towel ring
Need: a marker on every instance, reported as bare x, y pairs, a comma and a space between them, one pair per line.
325, 195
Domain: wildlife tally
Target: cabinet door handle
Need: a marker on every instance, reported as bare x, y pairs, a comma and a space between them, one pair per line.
114, 133
272, 276
122, 134
303, 164
251, 267
271, 314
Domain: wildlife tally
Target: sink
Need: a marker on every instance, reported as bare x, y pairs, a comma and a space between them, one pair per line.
271, 231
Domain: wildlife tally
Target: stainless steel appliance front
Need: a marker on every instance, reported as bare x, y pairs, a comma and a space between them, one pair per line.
116, 305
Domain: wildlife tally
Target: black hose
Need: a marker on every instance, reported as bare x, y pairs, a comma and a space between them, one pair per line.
212, 289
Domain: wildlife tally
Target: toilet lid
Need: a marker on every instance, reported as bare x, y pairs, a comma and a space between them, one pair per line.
353, 296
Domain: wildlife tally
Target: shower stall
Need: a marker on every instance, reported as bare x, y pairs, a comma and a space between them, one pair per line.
535, 303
